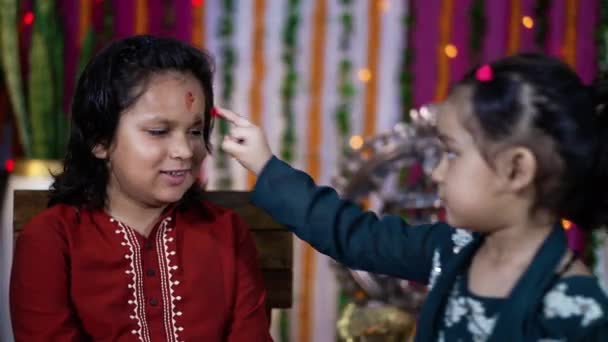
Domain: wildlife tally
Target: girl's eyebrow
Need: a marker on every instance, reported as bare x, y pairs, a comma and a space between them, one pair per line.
446, 139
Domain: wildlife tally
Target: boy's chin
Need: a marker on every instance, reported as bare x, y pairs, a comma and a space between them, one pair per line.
170, 197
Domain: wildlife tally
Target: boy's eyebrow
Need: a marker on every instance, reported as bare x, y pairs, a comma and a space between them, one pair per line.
155, 118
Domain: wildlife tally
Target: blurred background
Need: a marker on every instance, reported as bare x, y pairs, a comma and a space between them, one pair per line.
335, 84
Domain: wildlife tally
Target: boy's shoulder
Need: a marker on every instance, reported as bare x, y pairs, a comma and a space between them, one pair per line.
55, 214
205, 211
53, 220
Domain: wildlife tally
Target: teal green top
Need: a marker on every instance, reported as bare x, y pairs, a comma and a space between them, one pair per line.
541, 306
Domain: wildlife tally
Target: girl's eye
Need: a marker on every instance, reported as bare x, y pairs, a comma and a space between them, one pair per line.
157, 132
450, 154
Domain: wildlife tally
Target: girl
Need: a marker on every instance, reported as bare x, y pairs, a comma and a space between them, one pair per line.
524, 146
127, 250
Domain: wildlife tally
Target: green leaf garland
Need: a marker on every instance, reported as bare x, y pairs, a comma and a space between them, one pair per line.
406, 75
478, 29
541, 14
602, 37
346, 87
9, 49
228, 60
290, 78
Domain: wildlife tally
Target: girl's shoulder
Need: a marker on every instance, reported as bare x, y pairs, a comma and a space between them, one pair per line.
576, 307
449, 240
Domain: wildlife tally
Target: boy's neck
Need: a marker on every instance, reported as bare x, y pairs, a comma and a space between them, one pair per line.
140, 218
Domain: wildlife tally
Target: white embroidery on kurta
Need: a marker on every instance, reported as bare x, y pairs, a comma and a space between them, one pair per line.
435, 269
559, 304
461, 238
168, 283
136, 272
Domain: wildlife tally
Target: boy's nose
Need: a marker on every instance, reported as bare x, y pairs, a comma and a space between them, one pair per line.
181, 148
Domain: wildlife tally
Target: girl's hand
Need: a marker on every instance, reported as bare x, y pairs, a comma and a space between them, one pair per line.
246, 142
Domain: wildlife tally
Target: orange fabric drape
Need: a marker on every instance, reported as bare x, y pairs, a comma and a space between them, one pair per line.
314, 134
373, 55
443, 63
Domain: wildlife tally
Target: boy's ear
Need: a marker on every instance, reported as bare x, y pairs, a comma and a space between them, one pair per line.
100, 151
517, 168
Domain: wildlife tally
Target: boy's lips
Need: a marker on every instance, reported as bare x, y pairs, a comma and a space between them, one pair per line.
176, 171
176, 177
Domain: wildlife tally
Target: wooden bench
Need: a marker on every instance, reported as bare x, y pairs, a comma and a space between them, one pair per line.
274, 243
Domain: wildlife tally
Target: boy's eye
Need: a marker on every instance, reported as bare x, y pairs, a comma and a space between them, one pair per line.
196, 132
157, 132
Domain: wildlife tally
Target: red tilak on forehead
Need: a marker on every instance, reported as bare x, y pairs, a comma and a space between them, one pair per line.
189, 100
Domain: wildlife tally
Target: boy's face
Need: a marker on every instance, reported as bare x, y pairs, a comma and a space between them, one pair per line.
158, 147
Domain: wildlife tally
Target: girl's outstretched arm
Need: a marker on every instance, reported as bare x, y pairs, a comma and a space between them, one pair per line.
333, 226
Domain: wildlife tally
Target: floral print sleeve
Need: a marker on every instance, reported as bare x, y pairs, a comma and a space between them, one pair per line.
575, 309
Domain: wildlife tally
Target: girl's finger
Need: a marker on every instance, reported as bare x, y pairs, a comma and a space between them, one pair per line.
232, 117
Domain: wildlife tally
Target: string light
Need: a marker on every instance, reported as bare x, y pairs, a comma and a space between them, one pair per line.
28, 18
384, 5
528, 22
9, 165
356, 142
364, 75
566, 224
451, 51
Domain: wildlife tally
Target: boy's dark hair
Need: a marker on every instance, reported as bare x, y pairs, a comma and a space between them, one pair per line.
537, 101
112, 82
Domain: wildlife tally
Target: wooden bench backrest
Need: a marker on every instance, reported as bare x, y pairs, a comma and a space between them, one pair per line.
274, 243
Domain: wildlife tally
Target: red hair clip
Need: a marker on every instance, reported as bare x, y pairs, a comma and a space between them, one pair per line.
484, 73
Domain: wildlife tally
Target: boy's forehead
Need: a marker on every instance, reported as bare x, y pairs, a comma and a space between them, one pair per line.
183, 105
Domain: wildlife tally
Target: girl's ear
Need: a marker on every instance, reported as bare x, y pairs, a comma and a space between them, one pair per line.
100, 151
516, 168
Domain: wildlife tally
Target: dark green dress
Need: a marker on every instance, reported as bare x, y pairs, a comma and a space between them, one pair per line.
541, 307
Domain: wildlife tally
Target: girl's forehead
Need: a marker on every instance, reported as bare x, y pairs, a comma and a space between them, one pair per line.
460, 99
453, 117
458, 105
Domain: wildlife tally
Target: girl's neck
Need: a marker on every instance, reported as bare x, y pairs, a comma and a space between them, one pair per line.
515, 242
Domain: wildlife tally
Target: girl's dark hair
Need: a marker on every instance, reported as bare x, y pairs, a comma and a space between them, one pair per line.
537, 101
112, 82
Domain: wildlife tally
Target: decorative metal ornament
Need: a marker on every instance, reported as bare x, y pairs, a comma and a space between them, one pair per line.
394, 169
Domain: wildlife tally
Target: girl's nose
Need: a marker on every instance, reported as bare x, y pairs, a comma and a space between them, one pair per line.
438, 173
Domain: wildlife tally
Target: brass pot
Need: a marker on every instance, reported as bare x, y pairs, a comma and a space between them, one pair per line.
37, 167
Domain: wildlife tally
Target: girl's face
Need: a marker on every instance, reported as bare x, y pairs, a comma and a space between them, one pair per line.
466, 183
158, 148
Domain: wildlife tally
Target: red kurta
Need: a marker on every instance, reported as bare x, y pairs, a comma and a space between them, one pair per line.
81, 275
